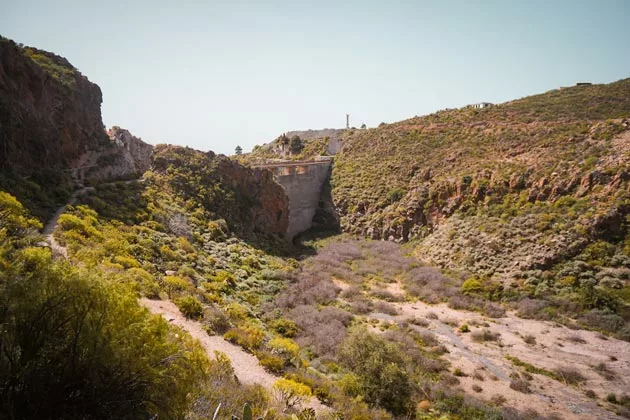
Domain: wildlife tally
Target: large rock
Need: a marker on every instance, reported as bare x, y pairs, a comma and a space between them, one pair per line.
50, 114
51, 125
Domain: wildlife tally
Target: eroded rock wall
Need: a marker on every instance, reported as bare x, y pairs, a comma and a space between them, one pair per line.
50, 114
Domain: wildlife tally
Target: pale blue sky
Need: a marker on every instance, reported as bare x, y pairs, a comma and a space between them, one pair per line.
212, 75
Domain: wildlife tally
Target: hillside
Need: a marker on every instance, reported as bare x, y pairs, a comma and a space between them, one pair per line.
164, 275
51, 131
564, 152
297, 145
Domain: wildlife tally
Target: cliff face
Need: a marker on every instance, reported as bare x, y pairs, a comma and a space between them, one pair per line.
49, 113
527, 185
249, 201
126, 156
51, 132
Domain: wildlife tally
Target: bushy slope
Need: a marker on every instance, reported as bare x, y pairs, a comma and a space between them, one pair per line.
247, 200
403, 179
532, 193
390, 180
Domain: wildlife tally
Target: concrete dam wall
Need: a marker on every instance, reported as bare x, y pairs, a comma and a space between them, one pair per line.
303, 183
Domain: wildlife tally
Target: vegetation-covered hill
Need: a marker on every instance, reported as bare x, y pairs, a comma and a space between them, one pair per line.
397, 179
297, 145
532, 194
524, 204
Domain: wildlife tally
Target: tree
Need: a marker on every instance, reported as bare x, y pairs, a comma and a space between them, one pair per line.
238, 150
363, 126
290, 394
74, 345
296, 145
380, 369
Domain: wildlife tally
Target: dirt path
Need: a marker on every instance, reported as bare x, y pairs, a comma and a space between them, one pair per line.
49, 228
56, 247
555, 346
246, 366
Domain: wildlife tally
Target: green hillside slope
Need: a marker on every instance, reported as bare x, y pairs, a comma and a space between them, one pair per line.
532, 193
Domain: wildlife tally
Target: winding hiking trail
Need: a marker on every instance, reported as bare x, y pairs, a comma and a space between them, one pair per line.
246, 366
56, 247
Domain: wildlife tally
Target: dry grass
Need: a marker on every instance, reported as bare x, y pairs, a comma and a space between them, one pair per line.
485, 335
520, 385
569, 375
605, 371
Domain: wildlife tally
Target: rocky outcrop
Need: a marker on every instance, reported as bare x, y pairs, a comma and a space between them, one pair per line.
269, 205
52, 136
248, 200
126, 156
428, 203
50, 114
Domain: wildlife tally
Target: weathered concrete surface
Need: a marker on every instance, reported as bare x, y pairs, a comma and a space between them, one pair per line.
303, 182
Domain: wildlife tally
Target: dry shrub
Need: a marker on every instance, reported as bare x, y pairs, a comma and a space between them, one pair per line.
351, 292
320, 329
360, 306
215, 320
386, 295
493, 310
498, 400
385, 308
604, 320
312, 288
509, 413
570, 375
520, 385
407, 340
390, 257
605, 371
465, 302
477, 388
429, 284
485, 335
421, 322
532, 309
428, 339
222, 386
574, 338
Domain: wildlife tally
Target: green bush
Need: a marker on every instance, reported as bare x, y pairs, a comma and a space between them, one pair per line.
174, 284
285, 327
471, 286
190, 307
249, 337
380, 368
73, 343
271, 362
291, 394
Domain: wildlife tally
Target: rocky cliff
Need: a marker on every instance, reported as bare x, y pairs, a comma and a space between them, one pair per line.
521, 186
50, 114
51, 131
126, 156
249, 201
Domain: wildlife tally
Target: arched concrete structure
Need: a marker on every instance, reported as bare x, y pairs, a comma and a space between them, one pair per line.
303, 182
